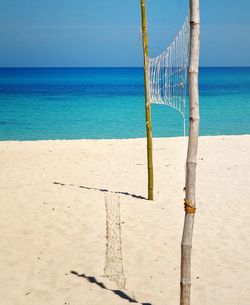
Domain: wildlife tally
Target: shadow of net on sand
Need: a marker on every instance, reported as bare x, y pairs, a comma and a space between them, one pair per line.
113, 269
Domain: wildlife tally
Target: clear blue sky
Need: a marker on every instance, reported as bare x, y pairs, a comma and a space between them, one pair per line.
81, 33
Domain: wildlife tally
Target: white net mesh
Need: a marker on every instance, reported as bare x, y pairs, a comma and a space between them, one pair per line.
168, 73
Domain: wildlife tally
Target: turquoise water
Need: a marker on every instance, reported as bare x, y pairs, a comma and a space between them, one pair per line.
75, 103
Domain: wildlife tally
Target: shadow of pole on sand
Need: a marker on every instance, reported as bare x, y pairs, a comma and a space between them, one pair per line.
121, 294
101, 190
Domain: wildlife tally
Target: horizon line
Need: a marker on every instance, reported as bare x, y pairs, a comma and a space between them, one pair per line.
106, 67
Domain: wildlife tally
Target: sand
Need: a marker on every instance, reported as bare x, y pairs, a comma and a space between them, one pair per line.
53, 222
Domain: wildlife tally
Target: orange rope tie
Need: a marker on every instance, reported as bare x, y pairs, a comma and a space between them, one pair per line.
189, 207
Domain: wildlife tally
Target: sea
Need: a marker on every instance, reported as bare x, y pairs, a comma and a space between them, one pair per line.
108, 103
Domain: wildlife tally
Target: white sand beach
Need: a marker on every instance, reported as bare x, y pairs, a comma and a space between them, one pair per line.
53, 222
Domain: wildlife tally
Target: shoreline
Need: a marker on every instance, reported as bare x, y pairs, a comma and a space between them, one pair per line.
121, 139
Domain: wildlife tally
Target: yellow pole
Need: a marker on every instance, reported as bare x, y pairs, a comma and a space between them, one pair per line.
147, 101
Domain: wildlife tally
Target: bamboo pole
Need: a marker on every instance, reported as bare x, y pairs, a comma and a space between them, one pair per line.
190, 203
147, 101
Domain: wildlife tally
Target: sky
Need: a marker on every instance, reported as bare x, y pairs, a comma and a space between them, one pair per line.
98, 33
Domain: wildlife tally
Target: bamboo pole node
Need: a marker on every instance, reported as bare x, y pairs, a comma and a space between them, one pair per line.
189, 207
